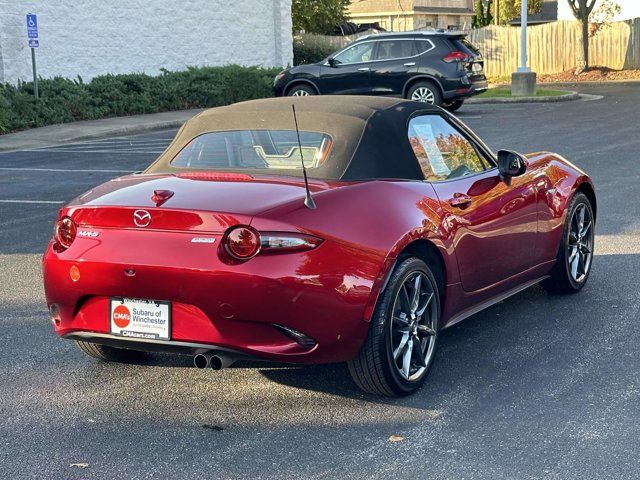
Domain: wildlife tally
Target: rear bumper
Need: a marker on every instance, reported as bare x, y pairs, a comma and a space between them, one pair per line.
466, 90
217, 306
146, 345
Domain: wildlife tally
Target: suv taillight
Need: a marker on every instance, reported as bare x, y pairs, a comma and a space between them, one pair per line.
65, 232
456, 56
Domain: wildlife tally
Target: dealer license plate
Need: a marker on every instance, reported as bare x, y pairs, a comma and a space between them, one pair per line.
140, 318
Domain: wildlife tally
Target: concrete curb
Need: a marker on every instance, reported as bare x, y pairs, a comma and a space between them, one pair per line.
542, 99
52, 135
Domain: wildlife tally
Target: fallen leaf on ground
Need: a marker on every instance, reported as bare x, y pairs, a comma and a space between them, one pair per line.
395, 438
79, 465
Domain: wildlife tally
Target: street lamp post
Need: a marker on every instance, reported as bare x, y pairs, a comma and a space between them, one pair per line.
523, 81
523, 37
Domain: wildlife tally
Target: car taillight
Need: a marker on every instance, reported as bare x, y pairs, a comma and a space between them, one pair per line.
456, 56
281, 243
65, 232
242, 242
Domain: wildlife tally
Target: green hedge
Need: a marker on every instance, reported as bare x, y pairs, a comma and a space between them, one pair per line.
63, 100
307, 51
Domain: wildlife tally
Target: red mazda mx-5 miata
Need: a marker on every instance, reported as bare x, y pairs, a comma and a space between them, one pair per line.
344, 229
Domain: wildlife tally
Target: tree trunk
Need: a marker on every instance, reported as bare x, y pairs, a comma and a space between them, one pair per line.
582, 64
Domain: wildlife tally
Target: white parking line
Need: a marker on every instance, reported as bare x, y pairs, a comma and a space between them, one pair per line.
72, 170
49, 202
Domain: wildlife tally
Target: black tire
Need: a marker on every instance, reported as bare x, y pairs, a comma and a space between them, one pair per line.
453, 105
110, 354
562, 279
374, 370
301, 90
427, 91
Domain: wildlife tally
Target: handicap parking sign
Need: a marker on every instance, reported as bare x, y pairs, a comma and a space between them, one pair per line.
33, 43
32, 25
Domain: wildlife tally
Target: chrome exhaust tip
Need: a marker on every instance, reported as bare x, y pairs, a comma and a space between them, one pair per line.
201, 361
220, 361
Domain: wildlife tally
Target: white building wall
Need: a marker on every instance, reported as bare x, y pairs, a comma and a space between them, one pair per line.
630, 9
95, 37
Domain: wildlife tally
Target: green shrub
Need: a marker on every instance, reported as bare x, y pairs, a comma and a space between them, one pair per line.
64, 100
306, 51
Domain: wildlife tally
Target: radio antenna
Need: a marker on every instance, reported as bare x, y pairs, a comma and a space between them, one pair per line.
308, 201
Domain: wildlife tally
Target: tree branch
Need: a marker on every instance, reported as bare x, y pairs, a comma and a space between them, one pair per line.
574, 7
590, 6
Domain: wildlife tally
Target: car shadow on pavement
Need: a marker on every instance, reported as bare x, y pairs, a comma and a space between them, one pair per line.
492, 349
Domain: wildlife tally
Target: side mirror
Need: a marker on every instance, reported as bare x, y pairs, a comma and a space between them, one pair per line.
511, 164
331, 61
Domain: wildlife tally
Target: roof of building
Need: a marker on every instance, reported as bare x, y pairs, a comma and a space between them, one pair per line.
374, 6
407, 6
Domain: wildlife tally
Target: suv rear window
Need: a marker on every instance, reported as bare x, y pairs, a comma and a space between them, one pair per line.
465, 46
239, 150
424, 45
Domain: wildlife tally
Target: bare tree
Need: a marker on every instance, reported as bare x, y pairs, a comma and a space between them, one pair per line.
581, 10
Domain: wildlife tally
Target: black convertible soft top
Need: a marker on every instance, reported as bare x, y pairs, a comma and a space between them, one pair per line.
369, 133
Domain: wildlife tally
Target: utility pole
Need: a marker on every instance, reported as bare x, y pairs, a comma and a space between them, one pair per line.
523, 81
523, 37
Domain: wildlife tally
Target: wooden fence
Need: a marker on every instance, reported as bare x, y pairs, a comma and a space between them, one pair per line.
553, 47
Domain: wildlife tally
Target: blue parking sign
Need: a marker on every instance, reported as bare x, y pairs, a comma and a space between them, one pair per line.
32, 25
33, 43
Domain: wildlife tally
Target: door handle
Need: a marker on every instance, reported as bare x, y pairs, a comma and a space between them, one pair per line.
410, 64
364, 69
460, 200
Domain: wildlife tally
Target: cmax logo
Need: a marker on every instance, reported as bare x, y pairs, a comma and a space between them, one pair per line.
121, 316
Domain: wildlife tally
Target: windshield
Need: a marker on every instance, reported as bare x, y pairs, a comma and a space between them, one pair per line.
254, 150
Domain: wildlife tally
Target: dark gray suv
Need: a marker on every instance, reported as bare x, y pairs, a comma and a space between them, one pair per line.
437, 67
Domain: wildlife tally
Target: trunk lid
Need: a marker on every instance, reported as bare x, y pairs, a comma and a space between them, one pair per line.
197, 202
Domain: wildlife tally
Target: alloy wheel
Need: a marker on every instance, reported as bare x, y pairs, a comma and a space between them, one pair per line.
300, 93
423, 94
413, 326
580, 244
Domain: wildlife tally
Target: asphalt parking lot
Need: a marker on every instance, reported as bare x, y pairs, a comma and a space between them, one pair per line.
537, 386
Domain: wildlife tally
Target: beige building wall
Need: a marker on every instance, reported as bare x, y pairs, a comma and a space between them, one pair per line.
404, 15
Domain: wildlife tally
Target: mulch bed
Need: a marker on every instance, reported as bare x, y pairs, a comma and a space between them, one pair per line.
594, 74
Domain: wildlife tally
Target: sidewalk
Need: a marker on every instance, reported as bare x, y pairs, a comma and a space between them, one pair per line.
91, 129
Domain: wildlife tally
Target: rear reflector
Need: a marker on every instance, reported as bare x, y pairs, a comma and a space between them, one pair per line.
216, 176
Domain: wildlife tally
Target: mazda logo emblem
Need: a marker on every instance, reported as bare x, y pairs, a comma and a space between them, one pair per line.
141, 218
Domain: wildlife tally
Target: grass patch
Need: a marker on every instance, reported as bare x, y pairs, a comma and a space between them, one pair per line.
502, 92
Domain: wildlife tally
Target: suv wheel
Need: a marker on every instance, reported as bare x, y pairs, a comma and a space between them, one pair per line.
426, 92
301, 91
